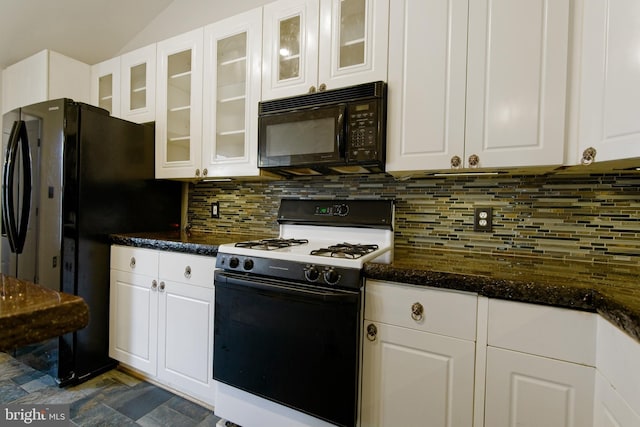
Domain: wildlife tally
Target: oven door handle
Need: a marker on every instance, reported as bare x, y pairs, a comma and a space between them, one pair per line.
231, 280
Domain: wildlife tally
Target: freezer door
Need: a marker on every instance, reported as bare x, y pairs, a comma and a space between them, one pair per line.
19, 198
39, 260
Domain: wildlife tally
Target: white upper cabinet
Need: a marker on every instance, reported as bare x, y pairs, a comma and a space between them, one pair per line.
43, 76
427, 78
311, 45
179, 106
354, 38
517, 82
138, 85
609, 95
477, 84
105, 85
232, 76
290, 48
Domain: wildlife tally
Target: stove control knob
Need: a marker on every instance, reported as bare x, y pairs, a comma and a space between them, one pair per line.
311, 273
342, 210
248, 264
234, 262
331, 276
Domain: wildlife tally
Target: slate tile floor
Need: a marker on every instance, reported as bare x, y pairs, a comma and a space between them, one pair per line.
111, 399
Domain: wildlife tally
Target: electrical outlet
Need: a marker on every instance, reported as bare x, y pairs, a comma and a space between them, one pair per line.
483, 219
215, 210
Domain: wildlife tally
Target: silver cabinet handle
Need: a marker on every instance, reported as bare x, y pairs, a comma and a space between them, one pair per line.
474, 161
417, 311
154, 285
312, 89
187, 272
197, 172
322, 87
372, 332
205, 172
132, 263
588, 156
161, 286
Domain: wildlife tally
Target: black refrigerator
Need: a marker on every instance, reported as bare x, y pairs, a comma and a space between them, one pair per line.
71, 176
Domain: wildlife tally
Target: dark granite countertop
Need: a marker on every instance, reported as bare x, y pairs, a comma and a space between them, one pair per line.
30, 313
608, 289
176, 241
611, 290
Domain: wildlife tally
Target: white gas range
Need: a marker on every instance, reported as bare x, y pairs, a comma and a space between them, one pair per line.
288, 314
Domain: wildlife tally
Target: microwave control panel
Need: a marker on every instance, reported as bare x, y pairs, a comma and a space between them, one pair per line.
363, 131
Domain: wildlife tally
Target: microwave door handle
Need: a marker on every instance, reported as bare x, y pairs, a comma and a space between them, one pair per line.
341, 130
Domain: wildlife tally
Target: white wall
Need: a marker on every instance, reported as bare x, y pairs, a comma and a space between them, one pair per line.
1, 109
185, 15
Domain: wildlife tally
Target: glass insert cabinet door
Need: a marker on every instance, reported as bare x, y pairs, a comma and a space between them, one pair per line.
354, 38
289, 38
105, 92
138, 84
352, 43
290, 47
231, 64
179, 106
105, 85
232, 91
314, 45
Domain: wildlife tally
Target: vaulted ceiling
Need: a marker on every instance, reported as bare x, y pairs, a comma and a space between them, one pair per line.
87, 30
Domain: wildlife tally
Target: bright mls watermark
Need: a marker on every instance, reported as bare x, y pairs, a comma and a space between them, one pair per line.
35, 415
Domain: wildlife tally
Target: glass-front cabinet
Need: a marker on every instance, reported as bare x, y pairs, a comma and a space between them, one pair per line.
138, 89
314, 45
105, 85
179, 106
231, 95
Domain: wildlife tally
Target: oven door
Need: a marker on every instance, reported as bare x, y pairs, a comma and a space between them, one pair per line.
302, 137
292, 344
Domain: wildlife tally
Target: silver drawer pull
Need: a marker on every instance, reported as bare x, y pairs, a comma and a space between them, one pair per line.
161, 286
372, 332
187, 272
154, 286
132, 263
417, 311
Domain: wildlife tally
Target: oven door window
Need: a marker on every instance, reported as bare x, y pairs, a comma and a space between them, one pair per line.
294, 346
302, 137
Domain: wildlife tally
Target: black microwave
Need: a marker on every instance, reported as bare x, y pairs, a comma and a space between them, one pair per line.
340, 131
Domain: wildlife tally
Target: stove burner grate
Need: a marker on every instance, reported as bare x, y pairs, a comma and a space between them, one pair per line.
271, 244
345, 250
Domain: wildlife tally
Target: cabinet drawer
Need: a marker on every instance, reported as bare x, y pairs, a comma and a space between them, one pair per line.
558, 333
443, 312
134, 260
187, 268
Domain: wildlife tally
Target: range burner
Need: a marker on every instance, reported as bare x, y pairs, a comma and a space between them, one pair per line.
271, 244
345, 250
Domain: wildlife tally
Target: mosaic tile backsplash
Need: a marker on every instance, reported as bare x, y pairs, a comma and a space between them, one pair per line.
593, 218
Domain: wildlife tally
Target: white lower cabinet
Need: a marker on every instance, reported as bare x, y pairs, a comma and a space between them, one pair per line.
617, 398
531, 391
161, 317
610, 409
540, 366
418, 371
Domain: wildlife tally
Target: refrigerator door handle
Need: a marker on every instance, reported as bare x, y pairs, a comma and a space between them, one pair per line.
16, 232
